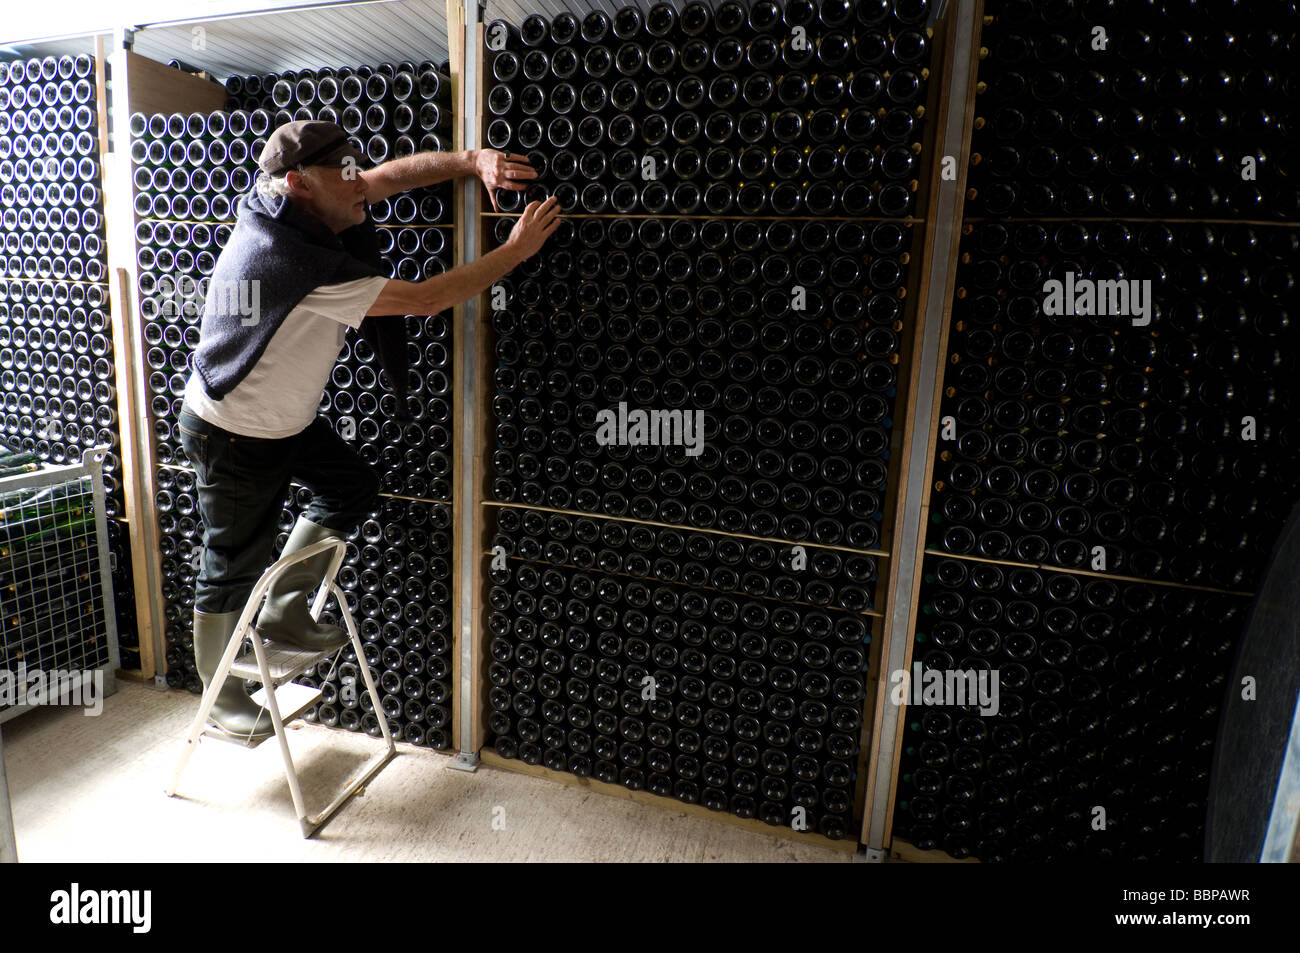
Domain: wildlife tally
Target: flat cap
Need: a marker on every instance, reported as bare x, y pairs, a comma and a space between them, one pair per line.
306, 142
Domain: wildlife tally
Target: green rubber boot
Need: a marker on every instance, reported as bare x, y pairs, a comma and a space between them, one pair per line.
285, 616
234, 712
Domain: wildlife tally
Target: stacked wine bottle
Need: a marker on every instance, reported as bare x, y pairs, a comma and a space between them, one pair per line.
52, 602
396, 575
58, 399
119, 561
1148, 118
190, 172
1149, 438
57, 378
738, 254
794, 109
1170, 453
1099, 741
779, 392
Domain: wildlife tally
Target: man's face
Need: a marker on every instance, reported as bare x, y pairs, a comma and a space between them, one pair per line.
337, 196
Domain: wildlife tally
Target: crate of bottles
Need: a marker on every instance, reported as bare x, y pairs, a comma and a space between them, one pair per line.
57, 620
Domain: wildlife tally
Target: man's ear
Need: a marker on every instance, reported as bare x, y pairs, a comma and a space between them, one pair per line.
297, 181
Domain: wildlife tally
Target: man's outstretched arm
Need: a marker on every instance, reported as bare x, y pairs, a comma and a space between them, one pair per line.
433, 295
498, 170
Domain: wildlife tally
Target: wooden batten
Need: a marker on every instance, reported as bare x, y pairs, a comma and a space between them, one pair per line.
774, 540
704, 218
136, 508
1091, 574
136, 473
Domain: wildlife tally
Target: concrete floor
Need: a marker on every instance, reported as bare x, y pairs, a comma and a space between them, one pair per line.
91, 789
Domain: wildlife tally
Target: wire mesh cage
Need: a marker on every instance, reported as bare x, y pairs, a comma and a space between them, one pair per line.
58, 626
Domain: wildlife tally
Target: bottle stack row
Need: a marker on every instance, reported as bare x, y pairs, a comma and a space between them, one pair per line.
775, 110
58, 390
1124, 111
1168, 448
190, 172
1092, 735
789, 412
57, 375
1118, 401
395, 109
694, 394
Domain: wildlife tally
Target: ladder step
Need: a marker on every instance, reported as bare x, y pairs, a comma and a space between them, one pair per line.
284, 662
293, 700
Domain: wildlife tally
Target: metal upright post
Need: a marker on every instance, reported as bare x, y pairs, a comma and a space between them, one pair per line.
93, 461
947, 205
467, 341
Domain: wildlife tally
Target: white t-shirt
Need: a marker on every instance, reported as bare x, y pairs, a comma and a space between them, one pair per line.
280, 395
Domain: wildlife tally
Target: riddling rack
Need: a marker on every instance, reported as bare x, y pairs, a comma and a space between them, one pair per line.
58, 379
610, 572
1114, 484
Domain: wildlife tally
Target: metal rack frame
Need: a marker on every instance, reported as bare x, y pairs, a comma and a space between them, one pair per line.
91, 467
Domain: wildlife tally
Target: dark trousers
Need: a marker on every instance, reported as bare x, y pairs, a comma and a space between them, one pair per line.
242, 486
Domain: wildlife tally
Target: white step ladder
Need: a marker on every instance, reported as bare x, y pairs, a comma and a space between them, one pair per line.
275, 666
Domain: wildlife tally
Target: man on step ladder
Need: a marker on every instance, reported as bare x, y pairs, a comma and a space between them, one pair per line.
303, 265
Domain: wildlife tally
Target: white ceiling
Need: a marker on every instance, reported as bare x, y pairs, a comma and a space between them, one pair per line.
349, 34
327, 32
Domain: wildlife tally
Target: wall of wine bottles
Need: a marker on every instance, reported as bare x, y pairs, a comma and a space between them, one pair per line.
694, 617
57, 376
746, 210
189, 172
1109, 480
